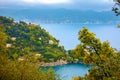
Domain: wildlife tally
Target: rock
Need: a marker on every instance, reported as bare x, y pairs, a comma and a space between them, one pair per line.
58, 62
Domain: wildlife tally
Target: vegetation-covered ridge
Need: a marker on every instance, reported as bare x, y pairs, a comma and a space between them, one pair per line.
23, 45
17, 57
25, 38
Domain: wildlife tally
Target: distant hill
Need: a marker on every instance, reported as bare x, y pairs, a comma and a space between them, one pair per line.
61, 16
29, 38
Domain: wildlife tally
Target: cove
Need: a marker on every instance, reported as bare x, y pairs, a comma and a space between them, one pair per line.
68, 36
66, 72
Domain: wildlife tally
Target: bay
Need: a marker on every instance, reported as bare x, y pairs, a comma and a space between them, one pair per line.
66, 72
68, 36
68, 33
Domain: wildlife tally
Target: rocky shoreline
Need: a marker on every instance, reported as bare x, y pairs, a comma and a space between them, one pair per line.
58, 62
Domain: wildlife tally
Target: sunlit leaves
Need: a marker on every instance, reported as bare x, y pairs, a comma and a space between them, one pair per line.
105, 62
23, 70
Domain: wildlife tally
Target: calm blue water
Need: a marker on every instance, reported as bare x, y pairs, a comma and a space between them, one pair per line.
68, 36
68, 33
68, 71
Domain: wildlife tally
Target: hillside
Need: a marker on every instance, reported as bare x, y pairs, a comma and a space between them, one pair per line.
27, 38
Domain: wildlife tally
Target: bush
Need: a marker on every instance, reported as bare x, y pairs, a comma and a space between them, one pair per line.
23, 70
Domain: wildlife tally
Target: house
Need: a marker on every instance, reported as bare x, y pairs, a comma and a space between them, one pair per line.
87, 52
13, 38
21, 59
40, 38
51, 42
8, 45
37, 55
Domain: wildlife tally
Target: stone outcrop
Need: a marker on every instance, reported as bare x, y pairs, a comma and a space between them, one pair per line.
58, 62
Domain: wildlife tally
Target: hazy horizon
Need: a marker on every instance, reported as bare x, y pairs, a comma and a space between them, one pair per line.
96, 5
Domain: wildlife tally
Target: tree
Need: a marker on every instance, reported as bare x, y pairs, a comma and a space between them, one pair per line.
116, 7
104, 60
21, 61
3, 38
118, 26
23, 70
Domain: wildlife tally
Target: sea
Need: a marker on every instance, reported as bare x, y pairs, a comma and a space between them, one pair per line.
68, 36
68, 33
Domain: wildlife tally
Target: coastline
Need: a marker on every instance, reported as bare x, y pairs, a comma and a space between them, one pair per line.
57, 63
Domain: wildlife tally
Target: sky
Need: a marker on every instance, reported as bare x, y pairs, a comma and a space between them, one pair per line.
67, 4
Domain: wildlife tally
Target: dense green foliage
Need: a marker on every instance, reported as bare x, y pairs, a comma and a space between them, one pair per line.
104, 59
26, 38
13, 69
20, 70
22, 41
3, 38
25, 70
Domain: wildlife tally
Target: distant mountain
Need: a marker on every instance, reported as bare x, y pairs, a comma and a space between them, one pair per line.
61, 16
